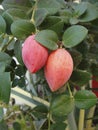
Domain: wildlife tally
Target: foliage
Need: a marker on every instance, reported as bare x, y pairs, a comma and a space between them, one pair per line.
54, 22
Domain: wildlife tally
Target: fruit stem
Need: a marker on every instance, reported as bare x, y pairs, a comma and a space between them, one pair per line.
33, 13
69, 90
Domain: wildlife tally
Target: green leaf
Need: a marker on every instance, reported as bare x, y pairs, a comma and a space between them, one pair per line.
84, 99
22, 28
16, 13
80, 77
39, 16
62, 3
54, 23
91, 1
57, 118
90, 14
5, 58
2, 66
73, 20
2, 25
47, 38
52, 6
80, 8
9, 20
40, 111
74, 35
18, 54
62, 105
21, 4
5, 87
58, 126
4, 42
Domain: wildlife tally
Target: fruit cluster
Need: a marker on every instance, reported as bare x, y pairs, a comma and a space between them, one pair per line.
58, 65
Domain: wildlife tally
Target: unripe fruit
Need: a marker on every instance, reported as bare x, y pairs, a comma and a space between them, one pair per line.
58, 68
34, 55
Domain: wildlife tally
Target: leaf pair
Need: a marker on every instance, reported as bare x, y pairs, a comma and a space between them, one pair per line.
63, 104
71, 37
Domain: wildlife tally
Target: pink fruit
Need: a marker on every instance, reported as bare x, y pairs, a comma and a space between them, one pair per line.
58, 68
34, 55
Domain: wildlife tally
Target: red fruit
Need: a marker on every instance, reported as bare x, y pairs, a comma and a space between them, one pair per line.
58, 68
95, 86
34, 55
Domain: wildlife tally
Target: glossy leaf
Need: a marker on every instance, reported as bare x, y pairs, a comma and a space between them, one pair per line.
5, 87
52, 6
62, 2
5, 58
53, 23
84, 99
62, 105
58, 126
80, 8
22, 28
80, 77
4, 42
9, 20
16, 13
73, 20
47, 38
23, 4
2, 67
18, 54
2, 25
91, 1
57, 118
39, 16
40, 111
74, 35
90, 14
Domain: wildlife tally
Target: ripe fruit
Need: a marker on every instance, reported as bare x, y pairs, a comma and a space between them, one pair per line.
58, 68
34, 55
